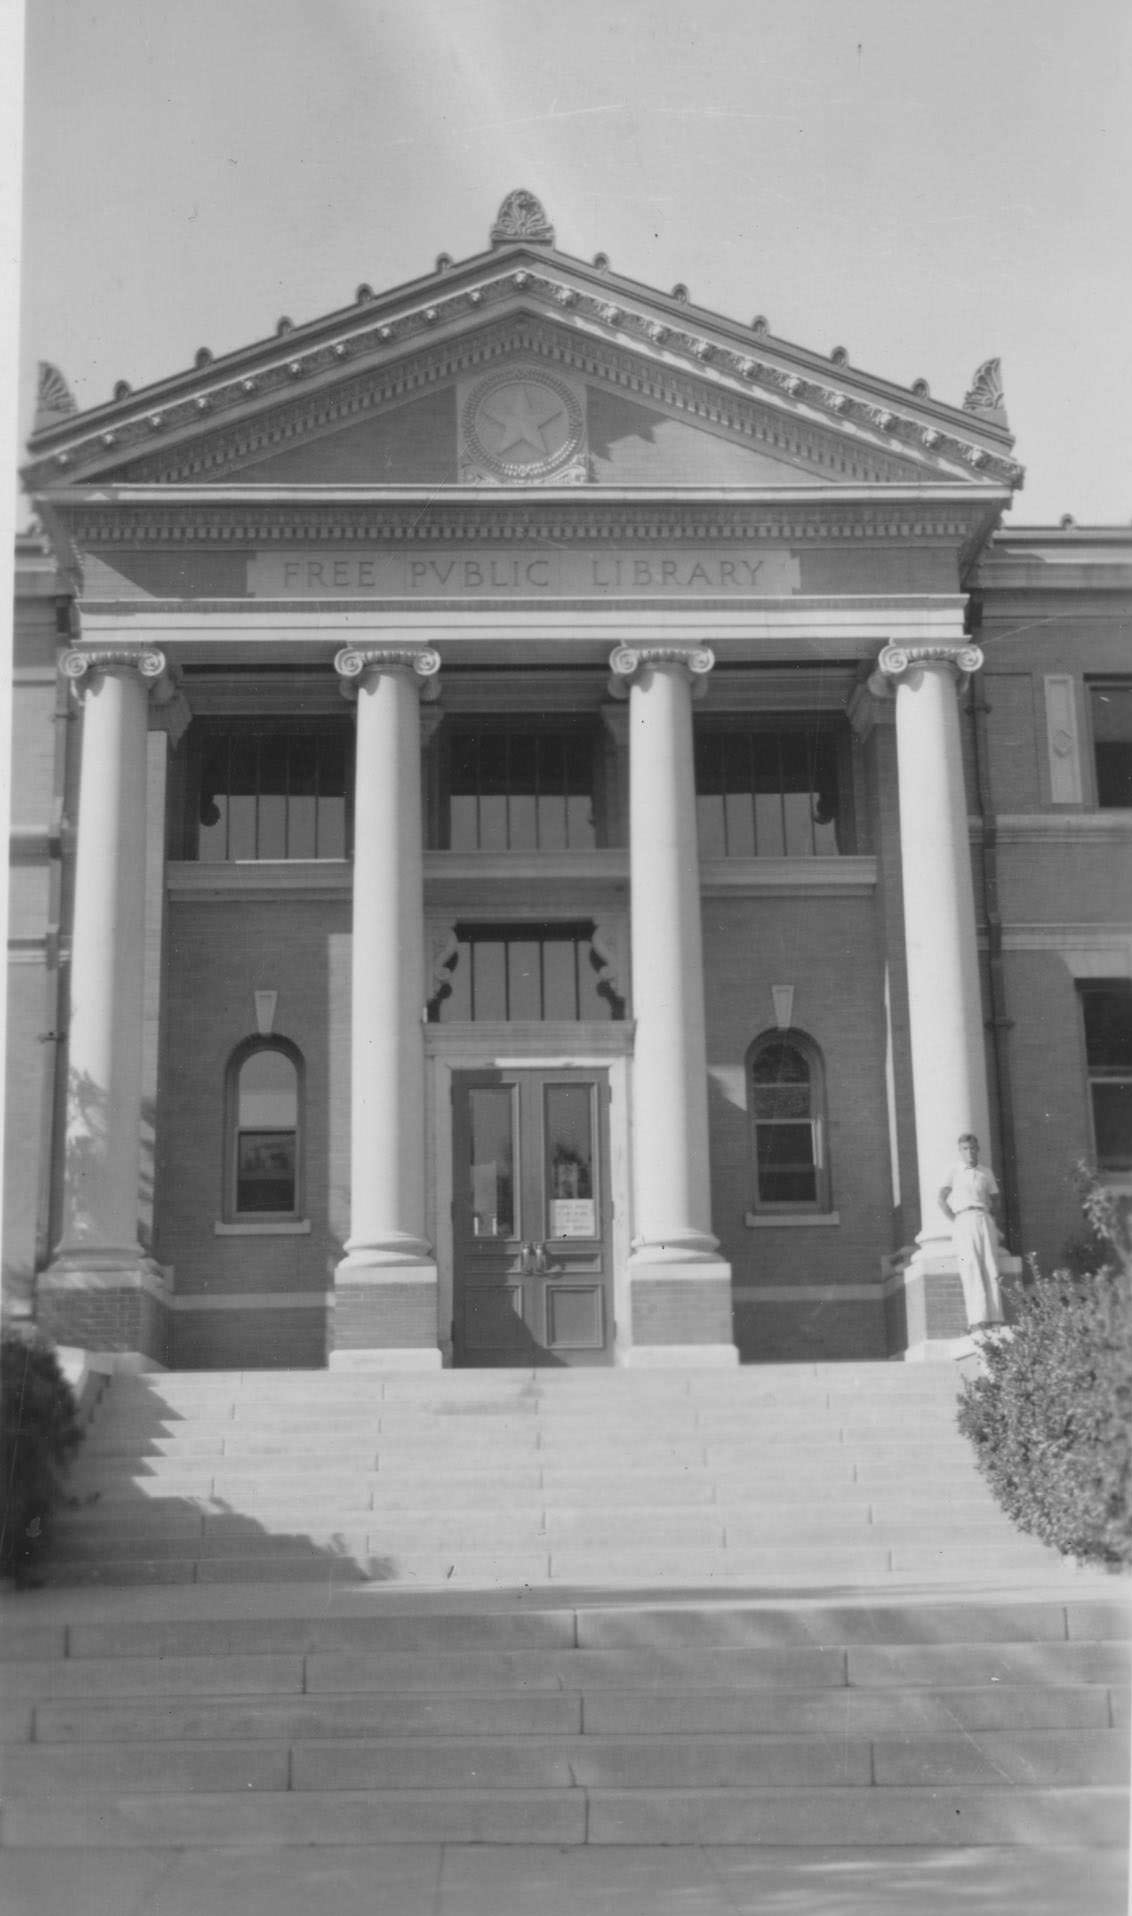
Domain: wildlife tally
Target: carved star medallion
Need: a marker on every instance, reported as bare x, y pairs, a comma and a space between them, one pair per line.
522, 424
522, 415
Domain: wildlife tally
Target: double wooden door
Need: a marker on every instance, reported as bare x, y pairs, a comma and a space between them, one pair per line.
531, 1217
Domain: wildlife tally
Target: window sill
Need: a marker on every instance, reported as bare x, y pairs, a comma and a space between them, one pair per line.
790, 1220
267, 1227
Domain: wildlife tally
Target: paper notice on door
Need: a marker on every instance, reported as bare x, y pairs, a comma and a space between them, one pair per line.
573, 1217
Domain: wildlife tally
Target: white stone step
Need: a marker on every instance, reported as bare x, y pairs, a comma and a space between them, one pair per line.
800, 1817
828, 1713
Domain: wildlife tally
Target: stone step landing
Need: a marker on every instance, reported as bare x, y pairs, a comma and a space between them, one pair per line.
780, 1477
644, 1722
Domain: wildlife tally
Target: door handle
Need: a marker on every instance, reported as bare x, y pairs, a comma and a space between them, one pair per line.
540, 1264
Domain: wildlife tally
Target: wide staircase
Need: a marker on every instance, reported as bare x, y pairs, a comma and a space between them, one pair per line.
773, 1606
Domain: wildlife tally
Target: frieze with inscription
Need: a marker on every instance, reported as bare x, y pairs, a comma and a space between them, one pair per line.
500, 572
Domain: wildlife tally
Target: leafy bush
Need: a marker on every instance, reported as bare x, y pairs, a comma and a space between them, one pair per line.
1051, 1418
39, 1430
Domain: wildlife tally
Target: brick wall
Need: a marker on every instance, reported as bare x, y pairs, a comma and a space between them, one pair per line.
218, 955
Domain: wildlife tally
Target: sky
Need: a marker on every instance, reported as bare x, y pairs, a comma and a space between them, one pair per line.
927, 184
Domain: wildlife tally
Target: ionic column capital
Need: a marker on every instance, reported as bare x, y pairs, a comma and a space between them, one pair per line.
355, 663
895, 660
79, 664
627, 660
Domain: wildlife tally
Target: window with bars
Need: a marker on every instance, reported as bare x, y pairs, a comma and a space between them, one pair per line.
264, 791
518, 788
508, 973
786, 1093
1107, 1007
770, 793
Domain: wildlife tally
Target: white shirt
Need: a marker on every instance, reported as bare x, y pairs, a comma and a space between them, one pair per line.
970, 1187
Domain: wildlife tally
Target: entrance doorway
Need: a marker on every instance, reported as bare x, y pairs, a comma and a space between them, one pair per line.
531, 1212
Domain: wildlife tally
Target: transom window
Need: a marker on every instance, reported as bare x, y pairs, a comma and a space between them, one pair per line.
504, 973
267, 792
263, 1103
1111, 704
1108, 1053
764, 793
786, 1105
519, 789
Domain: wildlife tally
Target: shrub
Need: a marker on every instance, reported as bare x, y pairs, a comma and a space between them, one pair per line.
1051, 1418
39, 1430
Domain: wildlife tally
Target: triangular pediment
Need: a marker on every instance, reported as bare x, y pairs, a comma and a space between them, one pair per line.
524, 366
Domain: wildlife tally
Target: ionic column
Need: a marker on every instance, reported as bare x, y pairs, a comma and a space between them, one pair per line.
101, 1289
945, 1011
385, 1309
680, 1286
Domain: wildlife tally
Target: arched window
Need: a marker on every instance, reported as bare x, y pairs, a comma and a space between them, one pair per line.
263, 1158
786, 1100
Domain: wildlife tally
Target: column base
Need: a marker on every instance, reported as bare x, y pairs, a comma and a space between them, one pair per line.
923, 1300
384, 1314
680, 1312
116, 1303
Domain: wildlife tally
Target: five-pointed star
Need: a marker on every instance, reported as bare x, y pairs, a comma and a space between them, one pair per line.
521, 418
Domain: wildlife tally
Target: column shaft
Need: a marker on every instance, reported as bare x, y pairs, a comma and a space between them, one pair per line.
385, 1306
101, 1291
672, 1189
387, 1087
104, 1041
944, 996
680, 1286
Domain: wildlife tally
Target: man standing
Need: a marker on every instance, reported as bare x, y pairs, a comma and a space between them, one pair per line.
970, 1199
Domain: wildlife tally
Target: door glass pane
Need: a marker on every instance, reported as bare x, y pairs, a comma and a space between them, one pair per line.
571, 1200
523, 979
491, 1166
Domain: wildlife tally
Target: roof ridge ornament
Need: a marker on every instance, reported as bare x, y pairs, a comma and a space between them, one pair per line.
986, 395
54, 399
521, 217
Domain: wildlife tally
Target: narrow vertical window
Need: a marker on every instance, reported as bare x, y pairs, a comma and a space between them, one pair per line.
1108, 1053
786, 1103
263, 1144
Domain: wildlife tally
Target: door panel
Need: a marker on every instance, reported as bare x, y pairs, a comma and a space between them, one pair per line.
531, 1217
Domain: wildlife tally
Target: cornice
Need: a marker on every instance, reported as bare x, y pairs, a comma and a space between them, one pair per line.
869, 427
200, 517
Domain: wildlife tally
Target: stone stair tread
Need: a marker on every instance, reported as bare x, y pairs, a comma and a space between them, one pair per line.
801, 1817
766, 1607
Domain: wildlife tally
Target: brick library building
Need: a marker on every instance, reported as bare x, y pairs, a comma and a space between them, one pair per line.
540, 814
